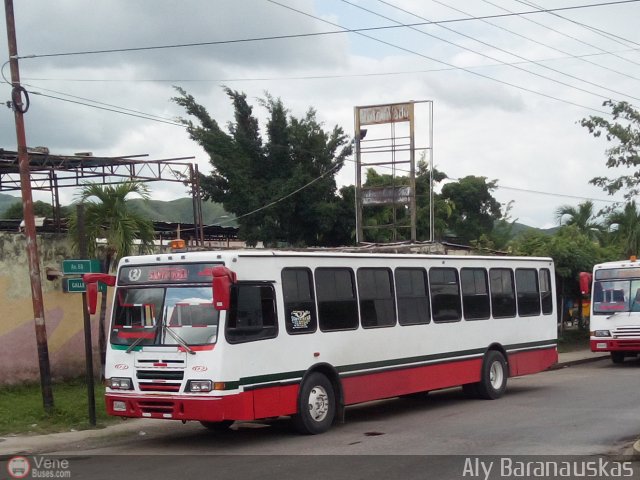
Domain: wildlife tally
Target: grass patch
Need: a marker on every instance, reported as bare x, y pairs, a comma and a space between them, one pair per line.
573, 339
21, 409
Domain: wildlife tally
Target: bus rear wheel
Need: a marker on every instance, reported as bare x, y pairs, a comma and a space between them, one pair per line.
493, 382
316, 405
617, 357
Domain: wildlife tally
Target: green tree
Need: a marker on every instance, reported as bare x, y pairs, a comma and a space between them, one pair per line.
582, 217
476, 210
624, 132
571, 250
282, 189
107, 216
624, 228
40, 209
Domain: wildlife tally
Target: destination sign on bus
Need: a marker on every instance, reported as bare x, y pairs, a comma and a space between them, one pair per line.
617, 273
174, 273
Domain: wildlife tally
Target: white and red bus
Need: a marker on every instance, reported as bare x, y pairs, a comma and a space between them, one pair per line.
615, 309
224, 336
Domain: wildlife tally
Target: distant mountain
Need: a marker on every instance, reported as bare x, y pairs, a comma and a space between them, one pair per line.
520, 229
181, 211
6, 201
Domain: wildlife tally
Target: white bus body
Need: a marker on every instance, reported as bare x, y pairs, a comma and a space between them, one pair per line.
615, 309
306, 334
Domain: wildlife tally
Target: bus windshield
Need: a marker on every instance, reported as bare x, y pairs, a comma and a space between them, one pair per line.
164, 316
616, 296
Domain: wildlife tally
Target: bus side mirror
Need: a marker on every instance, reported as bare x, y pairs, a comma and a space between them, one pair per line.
223, 278
91, 281
92, 297
585, 282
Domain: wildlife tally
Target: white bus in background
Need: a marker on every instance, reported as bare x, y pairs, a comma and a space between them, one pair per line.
615, 309
228, 336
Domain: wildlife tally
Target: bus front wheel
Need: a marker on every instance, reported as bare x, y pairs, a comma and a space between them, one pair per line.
316, 405
617, 357
493, 382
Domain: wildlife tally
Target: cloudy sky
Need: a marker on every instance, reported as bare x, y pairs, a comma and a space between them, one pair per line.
508, 90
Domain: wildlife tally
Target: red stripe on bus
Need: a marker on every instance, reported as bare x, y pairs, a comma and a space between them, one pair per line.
282, 400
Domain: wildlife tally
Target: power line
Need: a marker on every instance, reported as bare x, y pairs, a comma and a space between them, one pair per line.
497, 48
315, 34
413, 52
531, 4
149, 116
143, 116
317, 77
580, 57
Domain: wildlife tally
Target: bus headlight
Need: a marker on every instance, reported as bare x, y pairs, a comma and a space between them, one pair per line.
118, 383
602, 333
199, 386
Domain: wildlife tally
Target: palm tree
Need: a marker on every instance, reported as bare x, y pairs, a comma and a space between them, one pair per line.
582, 217
627, 228
108, 216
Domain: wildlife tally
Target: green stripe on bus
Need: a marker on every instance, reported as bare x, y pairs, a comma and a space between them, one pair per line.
396, 362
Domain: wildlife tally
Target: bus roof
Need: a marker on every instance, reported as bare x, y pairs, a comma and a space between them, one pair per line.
228, 255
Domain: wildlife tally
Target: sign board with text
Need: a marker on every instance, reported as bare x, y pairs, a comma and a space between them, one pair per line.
78, 267
77, 285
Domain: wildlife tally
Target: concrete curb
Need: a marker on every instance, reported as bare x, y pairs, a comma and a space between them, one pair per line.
34, 444
579, 361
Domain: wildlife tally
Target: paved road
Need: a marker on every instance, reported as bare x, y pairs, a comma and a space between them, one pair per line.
588, 409
584, 409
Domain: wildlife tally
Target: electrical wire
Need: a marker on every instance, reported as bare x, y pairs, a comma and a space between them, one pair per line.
519, 87
608, 35
316, 77
499, 49
570, 36
150, 116
580, 57
315, 34
143, 116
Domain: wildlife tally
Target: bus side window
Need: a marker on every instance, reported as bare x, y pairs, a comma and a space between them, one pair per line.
445, 294
377, 306
299, 301
412, 296
475, 293
337, 304
545, 291
252, 314
503, 293
528, 292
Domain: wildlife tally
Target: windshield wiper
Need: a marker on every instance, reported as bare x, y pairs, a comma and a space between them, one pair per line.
178, 339
134, 344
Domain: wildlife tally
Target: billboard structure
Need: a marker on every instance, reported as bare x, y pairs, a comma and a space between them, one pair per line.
385, 140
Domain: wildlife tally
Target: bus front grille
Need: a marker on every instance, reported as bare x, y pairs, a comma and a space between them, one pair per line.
171, 375
159, 386
626, 332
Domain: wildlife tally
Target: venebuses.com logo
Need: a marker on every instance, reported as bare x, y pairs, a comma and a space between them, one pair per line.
38, 467
18, 467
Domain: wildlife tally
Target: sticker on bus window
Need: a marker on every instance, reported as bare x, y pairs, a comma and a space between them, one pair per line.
300, 319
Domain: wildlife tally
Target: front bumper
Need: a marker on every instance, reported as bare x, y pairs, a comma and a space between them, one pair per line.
202, 408
615, 345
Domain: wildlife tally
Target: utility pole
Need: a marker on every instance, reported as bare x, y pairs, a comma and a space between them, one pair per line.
19, 108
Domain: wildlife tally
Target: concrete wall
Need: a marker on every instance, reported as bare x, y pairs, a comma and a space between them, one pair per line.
63, 313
